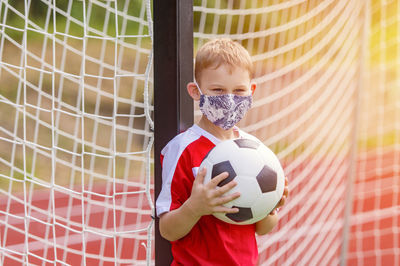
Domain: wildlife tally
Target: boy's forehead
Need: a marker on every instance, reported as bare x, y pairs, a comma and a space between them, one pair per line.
225, 73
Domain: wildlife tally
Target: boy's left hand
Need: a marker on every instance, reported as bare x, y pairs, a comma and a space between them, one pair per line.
283, 199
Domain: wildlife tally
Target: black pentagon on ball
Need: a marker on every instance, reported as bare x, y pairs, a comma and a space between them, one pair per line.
244, 214
221, 167
267, 179
247, 143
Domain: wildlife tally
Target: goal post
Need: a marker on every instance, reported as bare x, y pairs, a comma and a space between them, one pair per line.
173, 69
352, 169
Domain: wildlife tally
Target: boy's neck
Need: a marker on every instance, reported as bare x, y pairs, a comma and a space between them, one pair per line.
216, 131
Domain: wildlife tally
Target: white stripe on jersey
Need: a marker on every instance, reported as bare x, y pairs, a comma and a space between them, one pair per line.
172, 152
195, 170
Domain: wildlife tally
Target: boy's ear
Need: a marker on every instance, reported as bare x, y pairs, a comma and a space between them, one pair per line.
193, 91
253, 87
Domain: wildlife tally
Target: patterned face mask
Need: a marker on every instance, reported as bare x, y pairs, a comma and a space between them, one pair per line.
224, 110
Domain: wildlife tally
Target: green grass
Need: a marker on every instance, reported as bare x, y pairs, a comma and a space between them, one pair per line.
100, 19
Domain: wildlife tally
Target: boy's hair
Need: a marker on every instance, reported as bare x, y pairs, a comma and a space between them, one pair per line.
222, 51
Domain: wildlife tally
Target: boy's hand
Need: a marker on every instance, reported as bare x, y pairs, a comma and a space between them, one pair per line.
265, 225
284, 196
207, 199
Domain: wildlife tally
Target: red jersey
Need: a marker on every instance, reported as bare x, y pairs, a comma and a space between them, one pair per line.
211, 241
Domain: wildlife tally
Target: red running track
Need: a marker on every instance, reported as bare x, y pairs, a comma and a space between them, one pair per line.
114, 228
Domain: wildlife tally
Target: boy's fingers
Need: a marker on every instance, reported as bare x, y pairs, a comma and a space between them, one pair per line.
216, 180
225, 188
286, 190
222, 209
201, 175
228, 198
282, 201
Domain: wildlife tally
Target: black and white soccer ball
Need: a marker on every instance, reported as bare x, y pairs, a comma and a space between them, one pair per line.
258, 173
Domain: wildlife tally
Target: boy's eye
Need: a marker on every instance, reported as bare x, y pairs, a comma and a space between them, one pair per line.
240, 91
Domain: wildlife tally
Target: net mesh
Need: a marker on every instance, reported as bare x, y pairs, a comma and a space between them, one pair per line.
76, 128
375, 223
76, 132
327, 103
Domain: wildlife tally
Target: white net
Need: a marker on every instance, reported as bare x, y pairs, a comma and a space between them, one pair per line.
374, 238
76, 132
328, 103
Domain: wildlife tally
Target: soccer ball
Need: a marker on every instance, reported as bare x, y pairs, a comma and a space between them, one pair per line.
258, 173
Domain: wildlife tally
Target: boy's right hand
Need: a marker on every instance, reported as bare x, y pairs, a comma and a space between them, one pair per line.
207, 198
204, 200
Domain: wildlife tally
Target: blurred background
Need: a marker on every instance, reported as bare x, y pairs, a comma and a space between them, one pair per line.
76, 119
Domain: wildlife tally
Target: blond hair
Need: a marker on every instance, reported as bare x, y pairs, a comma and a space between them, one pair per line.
222, 51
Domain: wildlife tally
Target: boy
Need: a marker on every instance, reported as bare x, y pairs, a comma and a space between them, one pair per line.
223, 71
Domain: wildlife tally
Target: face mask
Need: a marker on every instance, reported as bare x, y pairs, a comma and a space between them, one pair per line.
224, 110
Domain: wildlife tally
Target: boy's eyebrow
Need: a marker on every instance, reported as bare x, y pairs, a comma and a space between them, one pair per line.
216, 84
223, 86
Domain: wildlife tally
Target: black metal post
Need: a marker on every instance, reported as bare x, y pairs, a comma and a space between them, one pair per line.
173, 69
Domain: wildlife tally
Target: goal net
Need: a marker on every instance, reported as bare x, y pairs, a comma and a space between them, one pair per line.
328, 103
76, 141
76, 132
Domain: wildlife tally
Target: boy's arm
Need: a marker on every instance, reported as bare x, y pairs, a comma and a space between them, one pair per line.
205, 199
177, 223
266, 225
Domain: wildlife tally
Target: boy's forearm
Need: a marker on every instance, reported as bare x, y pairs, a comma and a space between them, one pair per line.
177, 223
266, 225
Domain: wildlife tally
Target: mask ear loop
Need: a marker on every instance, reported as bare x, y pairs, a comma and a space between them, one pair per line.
198, 87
